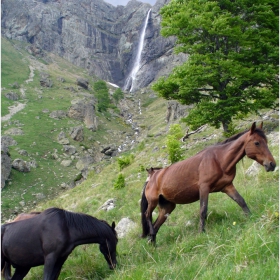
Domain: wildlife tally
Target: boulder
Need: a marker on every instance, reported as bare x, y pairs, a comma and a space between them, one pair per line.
66, 162
14, 131
124, 226
69, 149
12, 96
77, 133
108, 205
82, 83
84, 110
8, 141
254, 169
84, 162
59, 114
21, 165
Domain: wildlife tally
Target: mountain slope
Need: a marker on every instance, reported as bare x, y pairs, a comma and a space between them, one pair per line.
233, 247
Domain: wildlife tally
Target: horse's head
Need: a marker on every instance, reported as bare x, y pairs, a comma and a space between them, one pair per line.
109, 248
256, 148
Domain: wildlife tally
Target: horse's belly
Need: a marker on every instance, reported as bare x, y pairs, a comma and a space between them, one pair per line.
21, 252
181, 195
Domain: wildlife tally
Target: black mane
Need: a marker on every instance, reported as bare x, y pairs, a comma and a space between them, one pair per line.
84, 222
236, 136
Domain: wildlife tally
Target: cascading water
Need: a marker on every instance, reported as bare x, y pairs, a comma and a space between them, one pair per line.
132, 76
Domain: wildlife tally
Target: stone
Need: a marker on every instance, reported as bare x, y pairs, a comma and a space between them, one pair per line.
20, 165
84, 162
66, 162
14, 131
82, 82
108, 205
69, 149
12, 96
124, 226
84, 110
59, 114
77, 133
254, 169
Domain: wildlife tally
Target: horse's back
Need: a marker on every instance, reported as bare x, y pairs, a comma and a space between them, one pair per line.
180, 182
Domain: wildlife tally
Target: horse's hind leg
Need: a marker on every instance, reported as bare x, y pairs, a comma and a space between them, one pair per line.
165, 209
234, 194
152, 204
20, 273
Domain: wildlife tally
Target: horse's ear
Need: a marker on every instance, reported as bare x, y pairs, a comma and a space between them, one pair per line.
261, 125
113, 225
253, 127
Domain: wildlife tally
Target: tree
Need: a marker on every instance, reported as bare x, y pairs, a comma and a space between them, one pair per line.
232, 68
102, 94
118, 95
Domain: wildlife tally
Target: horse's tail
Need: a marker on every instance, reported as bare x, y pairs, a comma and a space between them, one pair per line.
6, 270
144, 206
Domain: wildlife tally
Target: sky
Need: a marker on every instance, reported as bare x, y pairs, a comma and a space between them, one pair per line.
124, 2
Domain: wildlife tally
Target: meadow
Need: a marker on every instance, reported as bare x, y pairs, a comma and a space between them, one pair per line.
234, 246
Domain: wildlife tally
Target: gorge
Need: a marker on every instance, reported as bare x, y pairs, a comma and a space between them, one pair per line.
97, 36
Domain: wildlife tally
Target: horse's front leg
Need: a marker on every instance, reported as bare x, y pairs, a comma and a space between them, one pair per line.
20, 273
203, 196
231, 191
52, 266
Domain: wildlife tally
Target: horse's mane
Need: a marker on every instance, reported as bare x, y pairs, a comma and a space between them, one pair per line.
236, 136
84, 222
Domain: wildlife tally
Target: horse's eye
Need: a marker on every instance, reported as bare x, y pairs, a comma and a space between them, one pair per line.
257, 143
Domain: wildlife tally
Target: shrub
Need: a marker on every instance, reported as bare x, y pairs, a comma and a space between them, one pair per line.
125, 161
175, 152
120, 182
118, 95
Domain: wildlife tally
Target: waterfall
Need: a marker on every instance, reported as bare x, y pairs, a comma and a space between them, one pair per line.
131, 78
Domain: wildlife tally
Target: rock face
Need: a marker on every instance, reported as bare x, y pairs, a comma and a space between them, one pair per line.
94, 35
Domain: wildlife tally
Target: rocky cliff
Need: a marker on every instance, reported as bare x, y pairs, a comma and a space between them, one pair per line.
94, 35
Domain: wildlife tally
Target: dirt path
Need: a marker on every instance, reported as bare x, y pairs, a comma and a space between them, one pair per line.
13, 110
19, 106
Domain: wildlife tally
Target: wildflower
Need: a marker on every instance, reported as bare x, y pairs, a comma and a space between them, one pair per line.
234, 223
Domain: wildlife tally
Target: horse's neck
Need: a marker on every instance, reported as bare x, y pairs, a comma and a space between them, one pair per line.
85, 235
234, 152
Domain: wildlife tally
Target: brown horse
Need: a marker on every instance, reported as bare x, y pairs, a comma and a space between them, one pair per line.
211, 170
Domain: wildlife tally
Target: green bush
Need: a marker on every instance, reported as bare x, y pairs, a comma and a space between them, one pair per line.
120, 182
175, 152
118, 95
125, 161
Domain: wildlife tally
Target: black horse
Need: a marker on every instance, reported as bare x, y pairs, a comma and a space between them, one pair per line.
49, 238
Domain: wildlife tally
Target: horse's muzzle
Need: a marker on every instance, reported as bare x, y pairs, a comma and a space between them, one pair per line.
113, 265
270, 166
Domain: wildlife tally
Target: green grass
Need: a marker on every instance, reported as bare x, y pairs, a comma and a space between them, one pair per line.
41, 131
234, 246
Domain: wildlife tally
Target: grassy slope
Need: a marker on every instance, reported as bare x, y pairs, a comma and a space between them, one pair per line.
233, 247
38, 126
